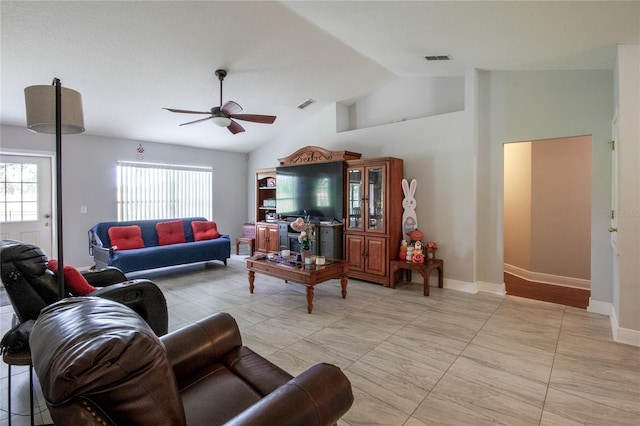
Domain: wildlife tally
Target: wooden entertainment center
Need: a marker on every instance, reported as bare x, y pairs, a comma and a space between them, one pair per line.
370, 233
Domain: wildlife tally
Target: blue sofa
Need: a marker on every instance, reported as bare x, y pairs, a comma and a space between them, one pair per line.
153, 255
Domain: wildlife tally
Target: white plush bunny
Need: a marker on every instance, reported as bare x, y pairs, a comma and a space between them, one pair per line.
409, 218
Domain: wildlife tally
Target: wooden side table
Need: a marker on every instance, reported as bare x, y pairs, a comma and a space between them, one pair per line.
248, 236
425, 269
250, 241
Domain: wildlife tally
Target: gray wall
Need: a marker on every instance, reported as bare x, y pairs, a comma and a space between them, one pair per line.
627, 259
543, 105
437, 152
457, 160
89, 179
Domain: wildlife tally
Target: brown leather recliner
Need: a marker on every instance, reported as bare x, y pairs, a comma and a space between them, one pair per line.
31, 287
99, 363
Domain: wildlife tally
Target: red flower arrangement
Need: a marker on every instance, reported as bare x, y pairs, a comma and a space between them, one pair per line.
431, 250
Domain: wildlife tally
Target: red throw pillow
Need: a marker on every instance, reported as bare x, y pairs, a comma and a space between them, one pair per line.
126, 237
204, 230
171, 232
75, 283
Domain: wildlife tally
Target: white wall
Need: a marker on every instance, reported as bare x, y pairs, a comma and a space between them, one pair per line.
627, 283
544, 105
438, 152
457, 160
455, 157
408, 99
89, 179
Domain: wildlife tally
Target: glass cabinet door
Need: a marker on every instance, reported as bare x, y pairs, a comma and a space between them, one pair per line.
375, 198
355, 198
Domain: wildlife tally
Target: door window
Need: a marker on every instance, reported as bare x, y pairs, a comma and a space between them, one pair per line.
18, 192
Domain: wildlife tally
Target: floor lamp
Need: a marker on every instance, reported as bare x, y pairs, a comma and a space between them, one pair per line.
54, 109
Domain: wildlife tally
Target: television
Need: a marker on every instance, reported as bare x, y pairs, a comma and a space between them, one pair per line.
316, 190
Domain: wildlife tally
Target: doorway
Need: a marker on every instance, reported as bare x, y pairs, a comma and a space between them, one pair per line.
26, 203
547, 220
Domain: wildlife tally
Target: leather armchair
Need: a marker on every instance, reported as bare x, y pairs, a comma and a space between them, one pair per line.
31, 287
100, 364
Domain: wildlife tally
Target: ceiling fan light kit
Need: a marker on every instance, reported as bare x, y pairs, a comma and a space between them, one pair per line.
224, 115
221, 121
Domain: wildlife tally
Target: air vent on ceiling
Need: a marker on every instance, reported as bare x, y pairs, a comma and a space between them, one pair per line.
438, 58
306, 103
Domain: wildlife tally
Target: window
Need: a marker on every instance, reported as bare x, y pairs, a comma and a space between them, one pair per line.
18, 192
158, 191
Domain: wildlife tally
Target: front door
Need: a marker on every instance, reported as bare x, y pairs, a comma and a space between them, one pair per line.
25, 200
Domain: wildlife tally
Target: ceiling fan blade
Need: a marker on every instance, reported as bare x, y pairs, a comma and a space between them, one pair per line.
235, 127
187, 111
256, 118
231, 108
197, 121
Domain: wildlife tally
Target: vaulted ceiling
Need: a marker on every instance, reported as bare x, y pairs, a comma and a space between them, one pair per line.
130, 59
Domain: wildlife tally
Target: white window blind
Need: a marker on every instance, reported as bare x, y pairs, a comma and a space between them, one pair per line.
160, 191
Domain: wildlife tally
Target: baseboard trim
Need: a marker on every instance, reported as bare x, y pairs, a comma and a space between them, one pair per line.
543, 278
468, 287
465, 286
627, 336
493, 288
622, 335
563, 295
603, 308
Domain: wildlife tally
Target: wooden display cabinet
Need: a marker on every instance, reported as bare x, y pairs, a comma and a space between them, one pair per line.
373, 213
266, 195
266, 222
267, 237
367, 257
374, 217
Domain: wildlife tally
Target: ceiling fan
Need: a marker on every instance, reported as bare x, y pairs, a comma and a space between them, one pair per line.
224, 115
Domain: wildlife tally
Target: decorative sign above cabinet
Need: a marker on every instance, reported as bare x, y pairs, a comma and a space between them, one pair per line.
316, 154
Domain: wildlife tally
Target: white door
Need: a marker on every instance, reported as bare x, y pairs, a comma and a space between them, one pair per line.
25, 200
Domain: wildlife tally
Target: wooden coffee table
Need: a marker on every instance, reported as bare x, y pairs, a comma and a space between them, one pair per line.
307, 275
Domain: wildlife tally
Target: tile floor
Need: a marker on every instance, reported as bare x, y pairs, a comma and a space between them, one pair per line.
448, 359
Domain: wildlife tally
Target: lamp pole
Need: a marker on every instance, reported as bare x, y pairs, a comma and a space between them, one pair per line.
40, 101
60, 274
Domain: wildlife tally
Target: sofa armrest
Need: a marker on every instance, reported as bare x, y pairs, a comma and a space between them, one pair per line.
104, 277
208, 341
319, 396
101, 256
144, 297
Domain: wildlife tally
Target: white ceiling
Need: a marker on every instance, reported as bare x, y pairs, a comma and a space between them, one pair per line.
129, 59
